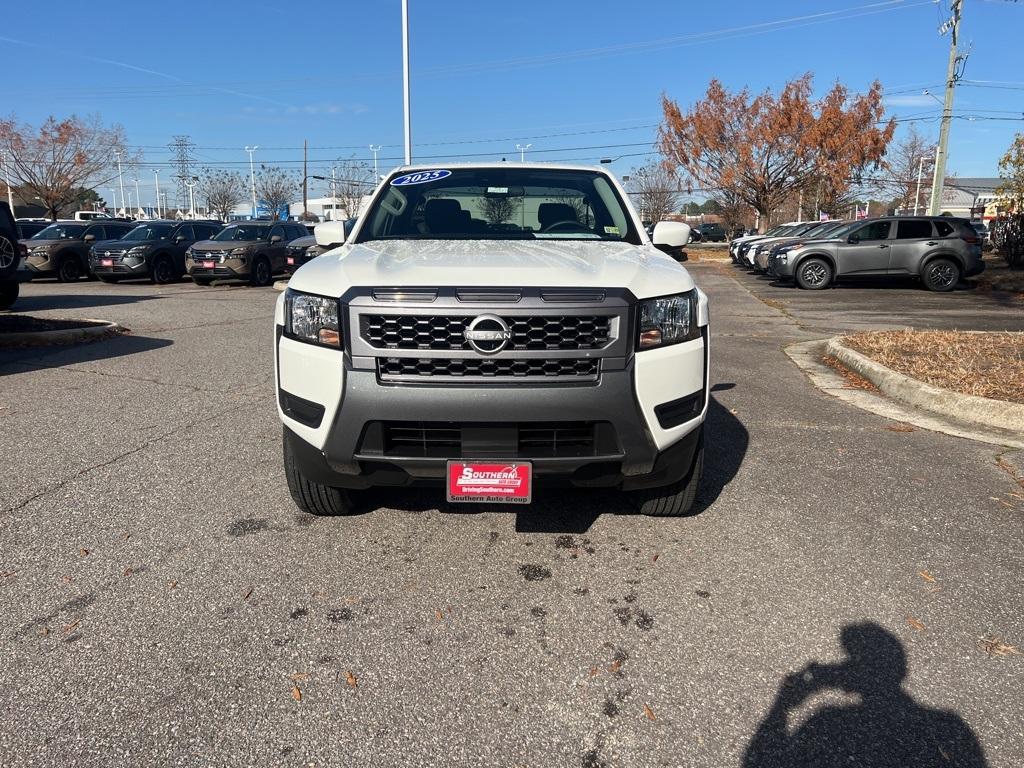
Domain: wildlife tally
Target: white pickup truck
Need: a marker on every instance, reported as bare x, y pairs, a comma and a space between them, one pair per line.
491, 331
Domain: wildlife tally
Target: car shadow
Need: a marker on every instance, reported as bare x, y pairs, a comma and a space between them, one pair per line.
883, 727
26, 304
22, 359
574, 510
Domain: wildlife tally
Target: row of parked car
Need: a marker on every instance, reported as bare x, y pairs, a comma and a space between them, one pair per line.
938, 250
162, 251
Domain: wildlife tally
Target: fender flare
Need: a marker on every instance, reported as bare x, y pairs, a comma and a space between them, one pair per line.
817, 254
951, 255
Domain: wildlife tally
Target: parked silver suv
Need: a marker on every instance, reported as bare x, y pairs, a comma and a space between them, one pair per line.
939, 249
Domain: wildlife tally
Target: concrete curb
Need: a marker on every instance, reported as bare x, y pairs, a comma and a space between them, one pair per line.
808, 357
281, 285
954, 405
61, 335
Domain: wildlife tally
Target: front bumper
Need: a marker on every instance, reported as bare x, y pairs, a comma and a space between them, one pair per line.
41, 265
227, 270
120, 267
335, 416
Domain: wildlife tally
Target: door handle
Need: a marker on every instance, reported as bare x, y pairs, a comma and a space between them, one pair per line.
883, 246
931, 243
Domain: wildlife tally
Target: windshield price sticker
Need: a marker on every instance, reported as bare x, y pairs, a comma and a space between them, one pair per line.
420, 177
491, 483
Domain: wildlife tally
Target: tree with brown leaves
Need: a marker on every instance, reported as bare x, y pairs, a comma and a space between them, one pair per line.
276, 188
1011, 174
223, 190
654, 190
56, 160
765, 148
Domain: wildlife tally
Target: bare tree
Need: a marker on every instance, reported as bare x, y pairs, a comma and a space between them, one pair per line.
56, 160
655, 191
911, 158
276, 188
354, 180
500, 208
223, 190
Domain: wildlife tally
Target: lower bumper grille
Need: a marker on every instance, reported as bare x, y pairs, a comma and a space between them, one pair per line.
406, 368
515, 440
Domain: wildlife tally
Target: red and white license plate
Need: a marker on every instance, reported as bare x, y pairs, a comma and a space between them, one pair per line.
106, 262
500, 482
291, 261
207, 265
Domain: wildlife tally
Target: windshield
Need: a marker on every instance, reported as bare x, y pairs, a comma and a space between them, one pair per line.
61, 232
242, 232
150, 232
499, 204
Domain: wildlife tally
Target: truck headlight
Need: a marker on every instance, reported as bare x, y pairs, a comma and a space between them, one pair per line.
668, 320
313, 319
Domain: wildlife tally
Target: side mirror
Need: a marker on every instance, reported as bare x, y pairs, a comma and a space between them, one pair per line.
275, 239
180, 239
330, 234
671, 236
853, 239
89, 238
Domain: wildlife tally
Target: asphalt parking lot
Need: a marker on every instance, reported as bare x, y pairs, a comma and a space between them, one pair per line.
165, 604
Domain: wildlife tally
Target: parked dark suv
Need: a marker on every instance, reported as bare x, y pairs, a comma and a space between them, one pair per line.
251, 250
62, 249
12, 259
155, 249
712, 232
305, 248
939, 249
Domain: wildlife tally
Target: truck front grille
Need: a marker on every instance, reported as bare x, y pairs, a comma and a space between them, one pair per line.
447, 332
406, 368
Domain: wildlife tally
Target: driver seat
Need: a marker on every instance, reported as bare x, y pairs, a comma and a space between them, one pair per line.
552, 213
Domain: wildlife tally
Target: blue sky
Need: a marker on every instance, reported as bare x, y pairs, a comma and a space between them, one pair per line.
577, 79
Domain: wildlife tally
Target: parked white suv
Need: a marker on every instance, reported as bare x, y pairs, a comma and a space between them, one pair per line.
494, 330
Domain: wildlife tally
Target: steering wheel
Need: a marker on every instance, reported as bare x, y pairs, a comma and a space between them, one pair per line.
563, 225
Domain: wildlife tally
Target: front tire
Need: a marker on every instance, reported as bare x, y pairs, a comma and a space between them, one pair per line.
316, 499
814, 274
262, 274
163, 270
941, 275
8, 295
677, 499
70, 270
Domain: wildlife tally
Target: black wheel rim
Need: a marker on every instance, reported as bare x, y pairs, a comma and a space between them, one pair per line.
7, 254
163, 271
814, 274
262, 273
69, 270
942, 274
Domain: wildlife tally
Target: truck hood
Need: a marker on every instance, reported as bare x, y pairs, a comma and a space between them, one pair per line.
642, 269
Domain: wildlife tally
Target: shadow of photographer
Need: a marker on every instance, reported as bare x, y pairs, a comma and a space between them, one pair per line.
885, 729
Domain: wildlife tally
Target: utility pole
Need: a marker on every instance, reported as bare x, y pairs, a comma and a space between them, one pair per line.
7, 178
405, 82
953, 25
120, 181
138, 196
159, 210
522, 151
375, 148
305, 179
252, 176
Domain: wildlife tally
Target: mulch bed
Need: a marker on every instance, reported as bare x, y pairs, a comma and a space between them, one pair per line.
982, 364
27, 324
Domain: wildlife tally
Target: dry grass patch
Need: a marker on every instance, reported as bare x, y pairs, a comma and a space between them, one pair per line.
982, 364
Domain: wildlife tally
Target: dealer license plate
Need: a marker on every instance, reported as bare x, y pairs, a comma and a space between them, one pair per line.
106, 262
207, 265
491, 482
291, 261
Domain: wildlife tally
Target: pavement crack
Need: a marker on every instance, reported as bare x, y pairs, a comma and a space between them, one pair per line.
93, 467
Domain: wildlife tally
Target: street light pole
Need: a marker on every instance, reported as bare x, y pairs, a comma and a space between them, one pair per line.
375, 148
113, 196
405, 82
120, 180
138, 195
252, 176
522, 151
159, 211
920, 173
191, 197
